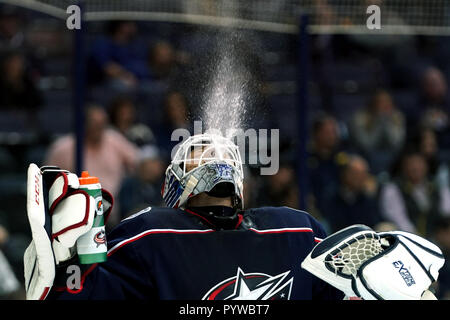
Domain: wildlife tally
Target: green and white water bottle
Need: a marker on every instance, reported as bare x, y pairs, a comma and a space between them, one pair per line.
91, 246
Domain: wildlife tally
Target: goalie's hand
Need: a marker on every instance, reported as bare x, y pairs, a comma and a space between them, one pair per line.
377, 266
58, 213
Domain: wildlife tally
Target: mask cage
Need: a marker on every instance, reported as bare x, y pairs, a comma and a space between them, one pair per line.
206, 148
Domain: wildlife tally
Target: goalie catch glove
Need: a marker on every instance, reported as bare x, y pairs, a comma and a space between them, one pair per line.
376, 266
58, 213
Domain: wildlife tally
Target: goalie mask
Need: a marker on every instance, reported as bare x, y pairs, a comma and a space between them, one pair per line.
204, 163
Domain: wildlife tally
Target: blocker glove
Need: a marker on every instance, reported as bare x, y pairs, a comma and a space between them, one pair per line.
58, 213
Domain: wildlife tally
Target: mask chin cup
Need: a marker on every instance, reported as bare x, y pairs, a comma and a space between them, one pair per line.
222, 190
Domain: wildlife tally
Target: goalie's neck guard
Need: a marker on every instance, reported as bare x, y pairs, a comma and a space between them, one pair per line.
204, 163
218, 217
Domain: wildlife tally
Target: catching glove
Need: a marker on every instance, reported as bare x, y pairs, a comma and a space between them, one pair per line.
376, 266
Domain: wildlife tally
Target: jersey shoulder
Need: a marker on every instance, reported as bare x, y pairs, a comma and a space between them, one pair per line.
152, 218
285, 217
158, 218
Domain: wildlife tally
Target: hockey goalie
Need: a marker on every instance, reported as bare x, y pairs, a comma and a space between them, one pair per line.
204, 245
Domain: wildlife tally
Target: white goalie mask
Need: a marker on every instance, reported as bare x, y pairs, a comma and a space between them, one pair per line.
204, 163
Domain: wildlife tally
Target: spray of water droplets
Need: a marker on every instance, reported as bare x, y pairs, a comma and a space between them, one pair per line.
228, 97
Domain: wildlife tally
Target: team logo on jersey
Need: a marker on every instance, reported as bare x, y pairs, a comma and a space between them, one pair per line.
252, 286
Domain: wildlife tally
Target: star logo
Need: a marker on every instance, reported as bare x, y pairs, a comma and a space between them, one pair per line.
252, 286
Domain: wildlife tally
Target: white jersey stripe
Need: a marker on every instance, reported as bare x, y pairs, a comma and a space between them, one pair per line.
281, 230
193, 231
154, 231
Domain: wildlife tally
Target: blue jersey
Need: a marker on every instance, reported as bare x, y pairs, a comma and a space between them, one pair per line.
165, 253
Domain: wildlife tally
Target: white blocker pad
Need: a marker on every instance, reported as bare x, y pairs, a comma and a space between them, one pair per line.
39, 264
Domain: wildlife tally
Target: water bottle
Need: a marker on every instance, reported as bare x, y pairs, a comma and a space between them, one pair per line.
91, 246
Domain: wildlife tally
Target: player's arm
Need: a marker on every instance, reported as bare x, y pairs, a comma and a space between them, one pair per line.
121, 277
59, 213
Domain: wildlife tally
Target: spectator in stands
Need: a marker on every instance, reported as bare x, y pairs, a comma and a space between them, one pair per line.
14, 37
17, 88
435, 97
355, 200
279, 189
107, 154
143, 188
434, 105
10, 287
324, 157
379, 131
11, 31
427, 143
122, 111
165, 61
442, 237
4, 236
176, 113
117, 59
411, 200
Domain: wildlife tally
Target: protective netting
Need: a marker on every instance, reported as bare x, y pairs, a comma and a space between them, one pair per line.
326, 16
349, 257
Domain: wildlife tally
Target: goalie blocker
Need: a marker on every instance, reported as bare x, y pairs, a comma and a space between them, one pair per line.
59, 213
377, 266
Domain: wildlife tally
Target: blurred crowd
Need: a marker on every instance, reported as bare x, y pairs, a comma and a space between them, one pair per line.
377, 163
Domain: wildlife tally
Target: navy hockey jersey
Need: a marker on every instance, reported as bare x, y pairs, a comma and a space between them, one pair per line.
165, 253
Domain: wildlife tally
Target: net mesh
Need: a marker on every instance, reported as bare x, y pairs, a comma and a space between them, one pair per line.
352, 254
326, 16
